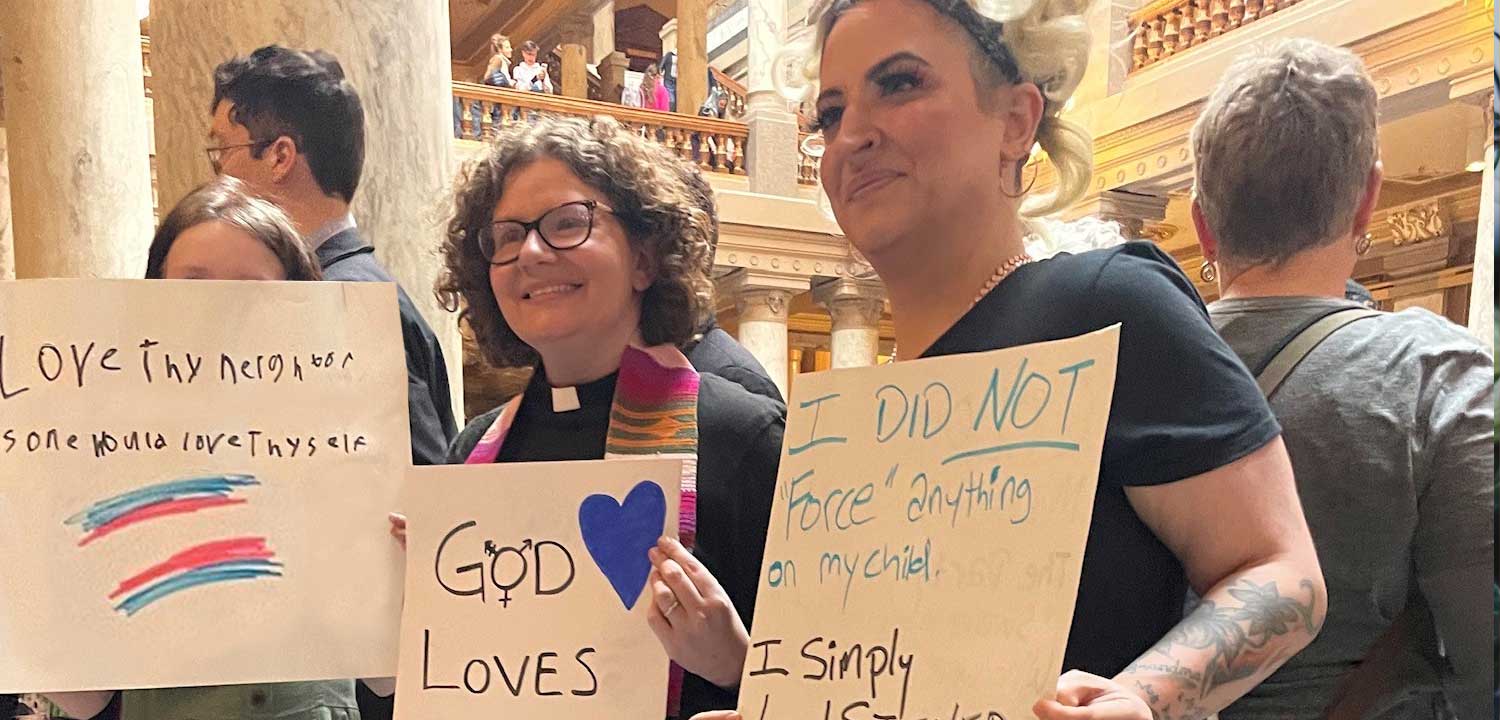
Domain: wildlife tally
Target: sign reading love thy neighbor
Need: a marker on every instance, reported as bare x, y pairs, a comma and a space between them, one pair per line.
194, 482
927, 535
526, 589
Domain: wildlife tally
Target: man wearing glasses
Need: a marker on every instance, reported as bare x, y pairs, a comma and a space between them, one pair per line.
291, 127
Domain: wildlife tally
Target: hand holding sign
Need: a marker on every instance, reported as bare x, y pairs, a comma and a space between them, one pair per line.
694, 618
1081, 696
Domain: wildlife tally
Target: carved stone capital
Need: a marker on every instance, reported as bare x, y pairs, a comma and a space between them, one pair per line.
1417, 224
754, 304
852, 303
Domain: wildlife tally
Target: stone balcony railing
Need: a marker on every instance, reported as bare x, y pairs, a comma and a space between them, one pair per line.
1165, 28
712, 144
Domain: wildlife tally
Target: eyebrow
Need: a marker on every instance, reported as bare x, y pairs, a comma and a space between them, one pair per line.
879, 69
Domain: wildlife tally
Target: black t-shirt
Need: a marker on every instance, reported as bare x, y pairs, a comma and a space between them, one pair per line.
1183, 405
739, 449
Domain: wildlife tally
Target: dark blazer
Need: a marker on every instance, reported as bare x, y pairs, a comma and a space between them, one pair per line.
345, 257
718, 353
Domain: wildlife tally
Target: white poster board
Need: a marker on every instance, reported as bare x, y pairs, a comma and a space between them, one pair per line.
526, 590
194, 482
928, 533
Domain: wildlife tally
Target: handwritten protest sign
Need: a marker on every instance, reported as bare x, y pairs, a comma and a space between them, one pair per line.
526, 590
927, 535
194, 482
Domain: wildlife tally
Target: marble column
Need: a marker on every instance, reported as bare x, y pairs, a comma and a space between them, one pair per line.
855, 307
1482, 293
396, 54
577, 36
7, 256
762, 301
771, 153
7, 253
692, 55
80, 203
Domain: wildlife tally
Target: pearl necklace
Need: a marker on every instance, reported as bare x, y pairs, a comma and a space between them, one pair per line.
1002, 272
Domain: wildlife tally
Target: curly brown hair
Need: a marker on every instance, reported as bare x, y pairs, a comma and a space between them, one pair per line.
647, 190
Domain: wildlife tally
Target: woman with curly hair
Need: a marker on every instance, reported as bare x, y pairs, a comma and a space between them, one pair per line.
578, 248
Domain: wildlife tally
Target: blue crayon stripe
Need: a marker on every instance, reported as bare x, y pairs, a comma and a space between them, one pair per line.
155, 493
209, 574
167, 488
104, 511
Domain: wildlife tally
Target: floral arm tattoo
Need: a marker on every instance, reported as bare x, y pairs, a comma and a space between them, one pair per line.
1240, 634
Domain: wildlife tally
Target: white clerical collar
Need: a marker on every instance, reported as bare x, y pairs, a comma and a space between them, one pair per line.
565, 399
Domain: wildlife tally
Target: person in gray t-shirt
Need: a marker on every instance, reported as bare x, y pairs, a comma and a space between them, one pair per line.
1389, 421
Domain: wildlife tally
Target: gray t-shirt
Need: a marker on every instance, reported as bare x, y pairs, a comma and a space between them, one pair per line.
1390, 428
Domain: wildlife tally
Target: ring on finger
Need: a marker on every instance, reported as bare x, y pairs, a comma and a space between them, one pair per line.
671, 609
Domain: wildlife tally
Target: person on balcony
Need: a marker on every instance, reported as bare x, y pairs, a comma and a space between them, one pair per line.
929, 110
220, 232
496, 74
653, 92
530, 74
667, 69
576, 247
1388, 416
631, 95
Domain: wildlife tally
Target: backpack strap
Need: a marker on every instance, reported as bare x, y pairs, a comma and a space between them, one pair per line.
1299, 344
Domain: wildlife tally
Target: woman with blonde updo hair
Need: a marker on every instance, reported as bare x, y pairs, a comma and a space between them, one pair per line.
929, 111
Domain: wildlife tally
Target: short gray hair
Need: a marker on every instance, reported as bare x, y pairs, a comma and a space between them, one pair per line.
1284, 150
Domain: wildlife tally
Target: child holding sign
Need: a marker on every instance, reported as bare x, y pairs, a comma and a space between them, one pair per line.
576, 247
218, 232
927, 139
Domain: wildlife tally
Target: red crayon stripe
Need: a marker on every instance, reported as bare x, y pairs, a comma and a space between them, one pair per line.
199, 556
161, 509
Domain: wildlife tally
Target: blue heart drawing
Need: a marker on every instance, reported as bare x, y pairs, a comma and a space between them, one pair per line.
618, 535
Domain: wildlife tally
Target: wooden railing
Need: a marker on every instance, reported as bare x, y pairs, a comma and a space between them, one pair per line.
1165, 28
714, 145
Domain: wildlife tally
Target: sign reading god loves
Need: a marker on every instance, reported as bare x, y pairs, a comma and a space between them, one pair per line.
927, 535
194, 482
526, 589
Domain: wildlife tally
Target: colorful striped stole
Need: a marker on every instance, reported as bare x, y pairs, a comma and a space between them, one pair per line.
655, 412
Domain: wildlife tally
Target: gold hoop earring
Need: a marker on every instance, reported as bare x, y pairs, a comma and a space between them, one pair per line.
1363, 244
1209, 272
1020, 169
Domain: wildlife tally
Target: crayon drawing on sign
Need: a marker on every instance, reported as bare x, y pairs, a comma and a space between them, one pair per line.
618, 535
178, 497
221, 561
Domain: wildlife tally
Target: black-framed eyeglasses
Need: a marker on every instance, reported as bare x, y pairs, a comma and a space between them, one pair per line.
216, 154
562, 228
